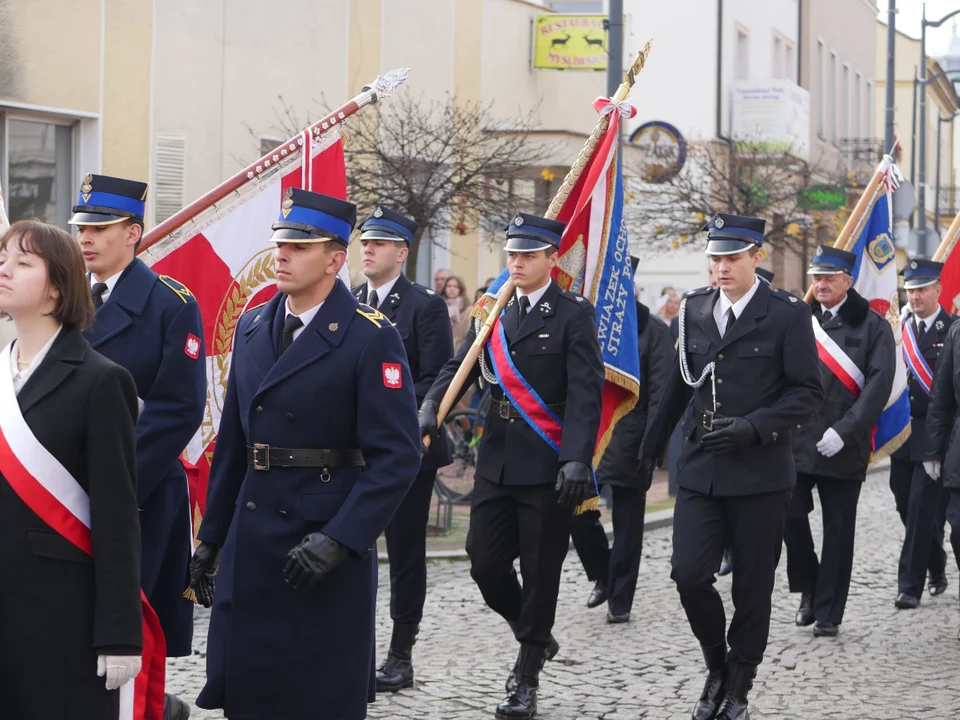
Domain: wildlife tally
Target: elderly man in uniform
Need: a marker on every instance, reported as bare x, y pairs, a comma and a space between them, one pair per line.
421, 317
748, 371
534, 461
318, 445
614, 571
832, 448
150, 324
918, 496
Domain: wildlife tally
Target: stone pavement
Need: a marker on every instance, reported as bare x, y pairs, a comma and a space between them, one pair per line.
885, 664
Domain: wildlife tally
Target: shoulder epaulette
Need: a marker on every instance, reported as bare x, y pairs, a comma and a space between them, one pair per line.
374, 316
698, 291
785, 296
575, 297
255, 307
179, 288
422, 288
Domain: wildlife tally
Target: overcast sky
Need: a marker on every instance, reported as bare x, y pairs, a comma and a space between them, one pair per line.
909, 13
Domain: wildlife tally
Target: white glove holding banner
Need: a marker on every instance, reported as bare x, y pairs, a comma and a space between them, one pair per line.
830, 444
932, 468
118, 669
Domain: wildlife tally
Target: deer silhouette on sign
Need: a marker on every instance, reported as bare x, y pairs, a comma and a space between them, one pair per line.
559, 41
594, 41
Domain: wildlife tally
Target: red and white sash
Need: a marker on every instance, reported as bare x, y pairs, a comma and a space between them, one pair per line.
838, 361
914, 358
50, 491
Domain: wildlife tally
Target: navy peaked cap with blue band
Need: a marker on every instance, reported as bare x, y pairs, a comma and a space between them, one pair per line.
309, 217
766, 275
732, 234
920, 273
529, 233
385, 224
107, 200
828, 260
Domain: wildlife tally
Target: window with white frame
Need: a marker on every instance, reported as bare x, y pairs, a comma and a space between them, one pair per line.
37, 168
845, 102
858, 108
742, 67
820, 85
871, 127
833, 96
789, 62
777, 56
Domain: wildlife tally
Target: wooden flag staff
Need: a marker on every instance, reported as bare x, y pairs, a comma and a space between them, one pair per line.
470, 359
949, 241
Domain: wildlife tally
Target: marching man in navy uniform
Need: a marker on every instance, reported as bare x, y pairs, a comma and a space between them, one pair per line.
318, 445
919, 497
832, 448
528, 478
421, 317
748, 368
150, 324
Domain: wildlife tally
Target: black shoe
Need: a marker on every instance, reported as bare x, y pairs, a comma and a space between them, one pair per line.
726, 567
396, 673
599, 595
617, 617
805, 611
739, 682
906, 602
716, 659
174, 708
522, 702
824, 628
551, 652
938, 584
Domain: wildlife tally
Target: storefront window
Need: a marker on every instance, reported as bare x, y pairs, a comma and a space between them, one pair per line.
39, 177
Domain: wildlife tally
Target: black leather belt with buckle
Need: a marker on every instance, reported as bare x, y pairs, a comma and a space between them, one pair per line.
508, 411
264, 457
705, 418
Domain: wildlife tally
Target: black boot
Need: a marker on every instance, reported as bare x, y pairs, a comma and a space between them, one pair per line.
726, 567
716, 659
552, 649
805, 611
174, 708
739, 682
522, 702
396, 673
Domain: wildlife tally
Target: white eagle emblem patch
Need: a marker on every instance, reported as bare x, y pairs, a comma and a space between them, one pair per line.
392, 378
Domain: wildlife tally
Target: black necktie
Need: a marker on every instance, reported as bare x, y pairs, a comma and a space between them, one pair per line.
731, 319
524, 307
98, 290
826, 316
921, 329
373, 299
290, 325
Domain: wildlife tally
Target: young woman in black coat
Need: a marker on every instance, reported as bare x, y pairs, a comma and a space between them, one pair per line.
70, 623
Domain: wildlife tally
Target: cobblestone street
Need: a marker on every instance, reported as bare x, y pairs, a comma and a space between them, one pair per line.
885, 664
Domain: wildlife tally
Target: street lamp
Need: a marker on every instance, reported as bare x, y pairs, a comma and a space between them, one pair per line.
921, 201
936, 200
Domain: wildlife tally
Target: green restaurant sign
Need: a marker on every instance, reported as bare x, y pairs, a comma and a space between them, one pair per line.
823, 197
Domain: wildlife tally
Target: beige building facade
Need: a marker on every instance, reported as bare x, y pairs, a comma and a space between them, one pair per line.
184, 94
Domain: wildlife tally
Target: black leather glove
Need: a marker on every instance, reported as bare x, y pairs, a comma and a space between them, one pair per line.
203, 572
312, 560
729, 433
574, 484
428, 421
645, 467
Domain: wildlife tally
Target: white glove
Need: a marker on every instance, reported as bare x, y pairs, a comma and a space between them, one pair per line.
118, 669
932, 468
830, 444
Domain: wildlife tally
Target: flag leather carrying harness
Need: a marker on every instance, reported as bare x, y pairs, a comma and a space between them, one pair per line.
50, 491
520, 393
911, 355
839, 363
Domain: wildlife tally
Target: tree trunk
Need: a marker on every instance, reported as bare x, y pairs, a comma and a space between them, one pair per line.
413, 256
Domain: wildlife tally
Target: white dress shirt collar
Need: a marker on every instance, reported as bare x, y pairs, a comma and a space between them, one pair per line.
383, 292
20, 377
928, 322
835, 310
534, 296
305, 317
110, 282
724, 304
